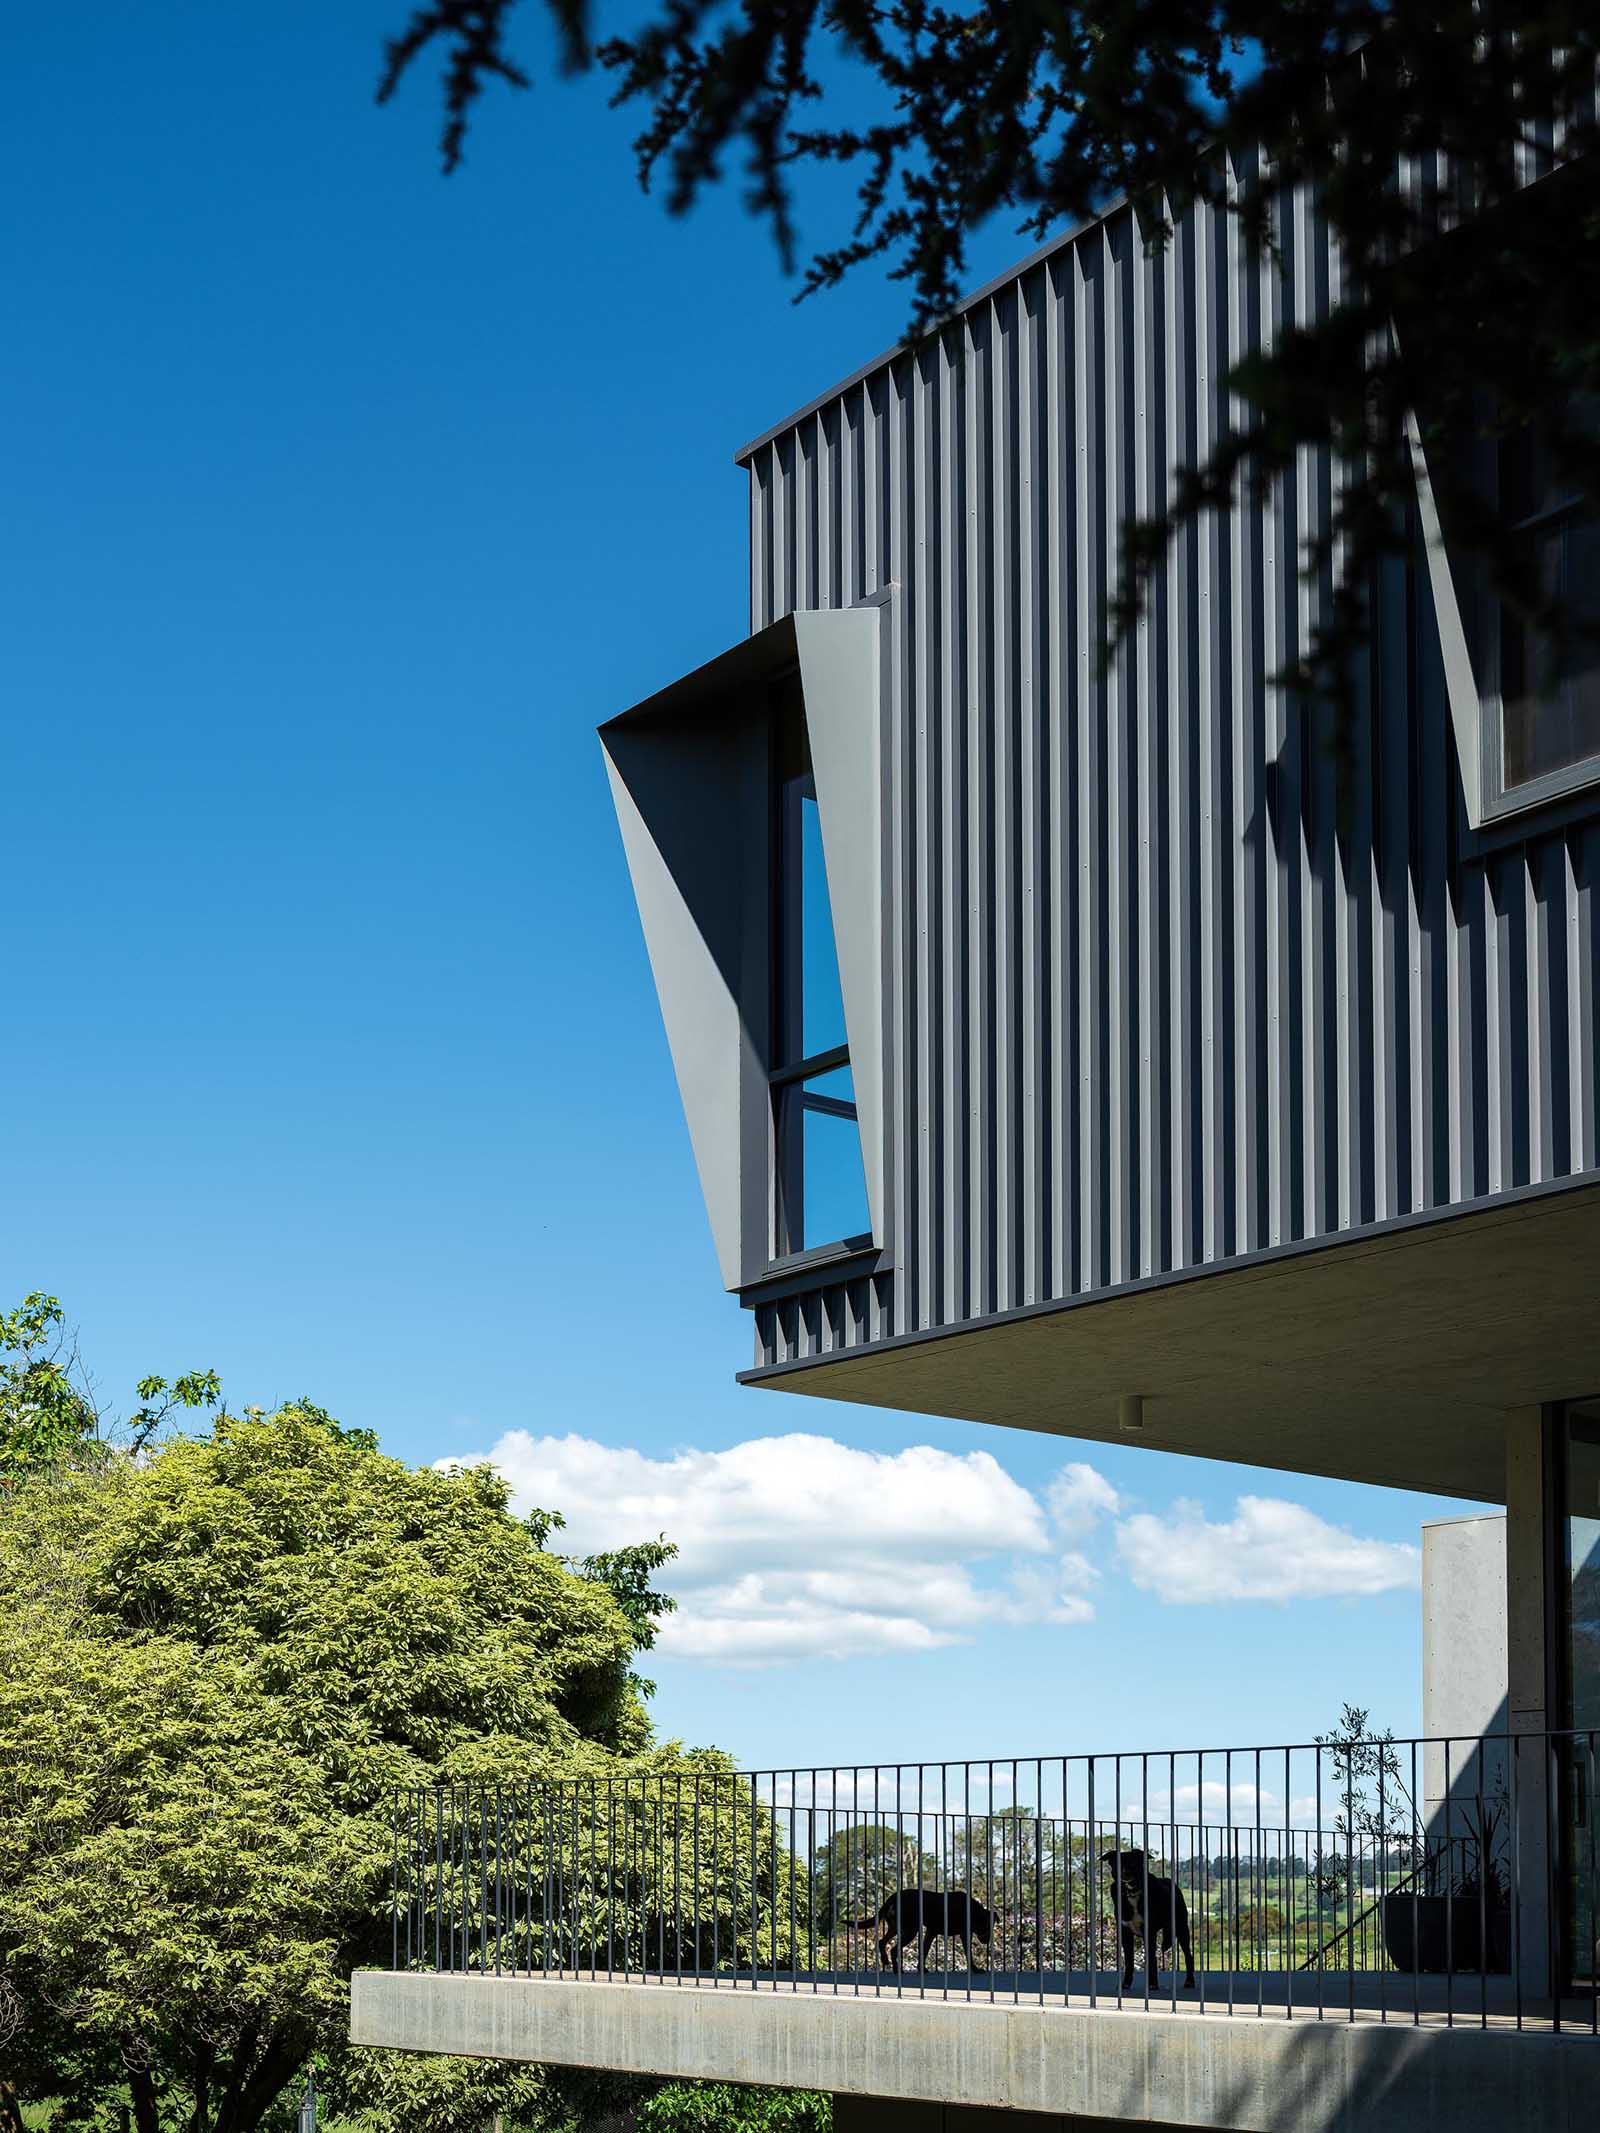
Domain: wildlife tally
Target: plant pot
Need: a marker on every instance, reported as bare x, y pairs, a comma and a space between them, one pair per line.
1429, 1935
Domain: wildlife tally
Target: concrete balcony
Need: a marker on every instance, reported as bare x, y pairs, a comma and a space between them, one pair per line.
1396, 1935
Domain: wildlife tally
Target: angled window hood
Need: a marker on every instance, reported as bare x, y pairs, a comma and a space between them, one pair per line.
692, 776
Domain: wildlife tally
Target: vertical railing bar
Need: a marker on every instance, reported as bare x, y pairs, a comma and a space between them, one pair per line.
988, 1862
1555, 1955
1258, 1895
454, 1806
513, 1890
1118, 1898
733, 1845
1485, 1869
394, 1883
1514, 1744
1322, 1962
1594, 1919
483, 1880
627, 1880
877, 1827
1172, 1872
1449, 1898
966, 1812
1378, 1872
1419, 1851
794, 1922
1205, 1871
941, 1864
1349, 1875
1287, 1893
772, 1869
1016, 1905
811, 1880
465, 1881
834, 1916
499, 1872
1038, 1872
922, 1900
852, 1814
1091, 1867
1231, 1855
755, 1944
546, 1871
591, 1899
899, 1911
555, 1874
677, 1871
1144, 1871
1066, 1855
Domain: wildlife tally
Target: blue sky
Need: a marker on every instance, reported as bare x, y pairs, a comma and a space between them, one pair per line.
344, 502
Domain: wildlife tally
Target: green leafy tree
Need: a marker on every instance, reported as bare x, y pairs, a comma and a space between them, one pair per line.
1464, 298
217, 1665
719, 2107
626, 1574
48, 1415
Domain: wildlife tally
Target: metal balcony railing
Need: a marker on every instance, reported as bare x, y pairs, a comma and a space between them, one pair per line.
1427, 1880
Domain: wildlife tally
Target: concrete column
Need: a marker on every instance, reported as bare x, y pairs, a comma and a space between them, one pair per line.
1463, 1658
1530, 1632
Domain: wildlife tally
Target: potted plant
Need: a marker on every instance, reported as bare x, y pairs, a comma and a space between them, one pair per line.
1465, 1924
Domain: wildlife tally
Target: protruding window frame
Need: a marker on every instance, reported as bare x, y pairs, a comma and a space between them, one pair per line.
1473, 683
790, 1066
690, 776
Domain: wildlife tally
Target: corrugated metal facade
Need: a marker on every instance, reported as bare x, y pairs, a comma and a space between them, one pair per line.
1153, 1005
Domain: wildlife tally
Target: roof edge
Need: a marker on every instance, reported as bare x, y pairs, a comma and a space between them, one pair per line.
990, 288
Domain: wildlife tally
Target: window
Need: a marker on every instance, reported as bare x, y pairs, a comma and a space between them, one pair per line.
1524, 699
819, 1185
1549, 688
1578, 1584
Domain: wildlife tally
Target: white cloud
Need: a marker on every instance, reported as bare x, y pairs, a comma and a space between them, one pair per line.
1268, 1550
801, 1547
1079, 1497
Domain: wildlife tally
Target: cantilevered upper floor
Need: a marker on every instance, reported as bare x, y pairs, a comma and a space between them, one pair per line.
1065, 1044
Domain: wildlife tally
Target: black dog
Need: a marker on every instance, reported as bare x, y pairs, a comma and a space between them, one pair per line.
1129, 1883
936, 1914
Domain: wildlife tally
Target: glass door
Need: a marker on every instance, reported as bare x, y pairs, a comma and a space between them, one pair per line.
1579, 1599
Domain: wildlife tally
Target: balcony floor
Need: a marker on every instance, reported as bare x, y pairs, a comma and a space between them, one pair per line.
1380, 1996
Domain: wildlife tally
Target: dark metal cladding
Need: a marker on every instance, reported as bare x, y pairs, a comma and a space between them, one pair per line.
1153, 1002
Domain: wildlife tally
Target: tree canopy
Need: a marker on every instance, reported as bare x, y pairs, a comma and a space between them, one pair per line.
48, 1414
218, 1663
1448, 144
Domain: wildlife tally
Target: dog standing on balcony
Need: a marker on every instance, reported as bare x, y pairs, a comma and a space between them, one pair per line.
937, 1914
1132, 1885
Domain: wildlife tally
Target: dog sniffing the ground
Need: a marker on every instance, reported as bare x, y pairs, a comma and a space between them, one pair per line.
1132, 1886
947, 1914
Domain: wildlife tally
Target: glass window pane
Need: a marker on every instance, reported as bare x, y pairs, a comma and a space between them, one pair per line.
1551, 691
1583, 1564
822, 1188
1581, 1607
822, 1003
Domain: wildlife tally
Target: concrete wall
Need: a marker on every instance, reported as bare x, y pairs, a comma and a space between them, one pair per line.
1243, 2073
1464, 1664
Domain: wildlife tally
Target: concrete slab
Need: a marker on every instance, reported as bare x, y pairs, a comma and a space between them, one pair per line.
1387, 1355
1242, 2072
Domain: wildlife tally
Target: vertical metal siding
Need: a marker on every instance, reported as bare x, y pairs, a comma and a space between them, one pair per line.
1153, 1002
